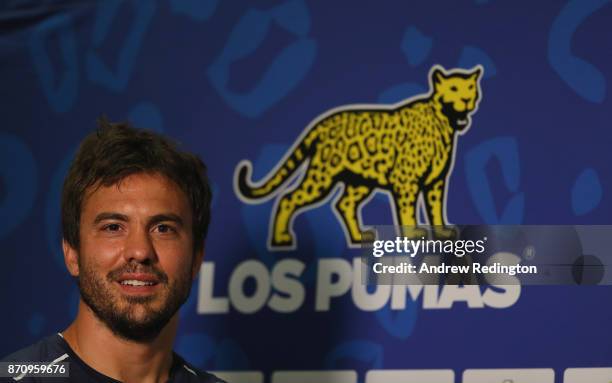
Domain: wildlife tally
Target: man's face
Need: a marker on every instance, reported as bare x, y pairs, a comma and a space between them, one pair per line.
136, 258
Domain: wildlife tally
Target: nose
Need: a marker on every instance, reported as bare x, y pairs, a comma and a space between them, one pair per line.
139, 247
466, 100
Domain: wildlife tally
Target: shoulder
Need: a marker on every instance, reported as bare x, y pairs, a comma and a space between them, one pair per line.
46, 350
206, 377
194, 374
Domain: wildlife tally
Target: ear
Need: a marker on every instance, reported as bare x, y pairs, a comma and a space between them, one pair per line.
71, 258
476, 73
437, 76
197, 263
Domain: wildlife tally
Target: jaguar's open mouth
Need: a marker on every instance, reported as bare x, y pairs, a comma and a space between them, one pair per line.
458, 120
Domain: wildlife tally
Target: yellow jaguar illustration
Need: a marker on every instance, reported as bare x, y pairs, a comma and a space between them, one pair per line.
406, 150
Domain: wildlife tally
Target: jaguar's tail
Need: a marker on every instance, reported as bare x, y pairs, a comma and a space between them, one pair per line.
277, 177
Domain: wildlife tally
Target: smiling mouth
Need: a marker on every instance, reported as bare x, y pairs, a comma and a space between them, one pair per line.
135, 282
139, 284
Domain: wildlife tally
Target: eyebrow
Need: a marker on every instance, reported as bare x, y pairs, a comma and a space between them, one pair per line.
107, 216
166, 217
152, 221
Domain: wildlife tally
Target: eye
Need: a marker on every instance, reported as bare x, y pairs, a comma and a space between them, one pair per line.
471, 87
112, 227
453, 88
164, 229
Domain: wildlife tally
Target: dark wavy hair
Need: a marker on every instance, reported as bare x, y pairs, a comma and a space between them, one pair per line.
117, 150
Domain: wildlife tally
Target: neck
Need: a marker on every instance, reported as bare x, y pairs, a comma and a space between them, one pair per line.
446, 129
118, 358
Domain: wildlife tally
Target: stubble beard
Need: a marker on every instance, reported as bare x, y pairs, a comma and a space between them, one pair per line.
122, 314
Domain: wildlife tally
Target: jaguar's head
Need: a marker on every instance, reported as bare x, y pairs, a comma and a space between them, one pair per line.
458, 93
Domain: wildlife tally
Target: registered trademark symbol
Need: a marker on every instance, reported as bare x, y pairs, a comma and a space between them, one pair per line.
529, 252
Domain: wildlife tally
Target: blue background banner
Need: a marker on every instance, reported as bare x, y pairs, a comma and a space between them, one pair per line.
242, 80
